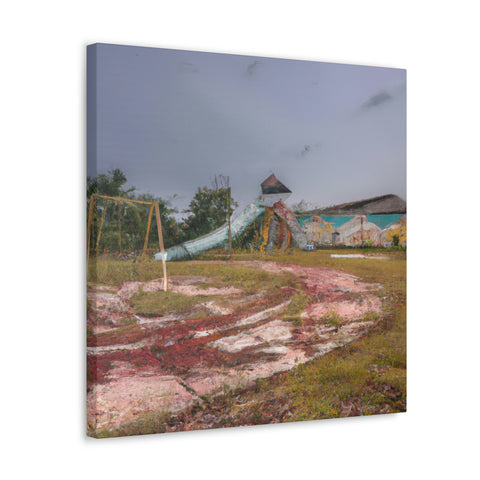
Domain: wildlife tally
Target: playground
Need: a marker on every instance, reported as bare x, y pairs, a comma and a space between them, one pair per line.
203, 335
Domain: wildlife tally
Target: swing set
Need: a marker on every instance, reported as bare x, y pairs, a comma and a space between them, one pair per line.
121, 201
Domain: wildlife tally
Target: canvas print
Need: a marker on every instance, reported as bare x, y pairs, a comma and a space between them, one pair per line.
246, 240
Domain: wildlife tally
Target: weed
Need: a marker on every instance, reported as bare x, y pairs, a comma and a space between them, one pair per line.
121, 335
90, 334
333, 319
370, 317
127, 321
296, 320
151, 422
297, 305
201, 313
158, 352
257, 417
158, 304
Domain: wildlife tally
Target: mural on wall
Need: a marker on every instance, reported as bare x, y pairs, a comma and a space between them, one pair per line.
395, 234
364, 228
374, 230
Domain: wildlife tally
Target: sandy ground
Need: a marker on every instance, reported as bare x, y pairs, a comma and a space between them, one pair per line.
167, 363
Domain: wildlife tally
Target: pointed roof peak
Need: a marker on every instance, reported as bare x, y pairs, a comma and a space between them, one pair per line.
273, 185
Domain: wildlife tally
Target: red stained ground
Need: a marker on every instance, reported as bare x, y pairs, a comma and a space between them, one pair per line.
185, 356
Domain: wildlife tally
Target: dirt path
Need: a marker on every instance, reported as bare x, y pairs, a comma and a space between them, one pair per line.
167, 363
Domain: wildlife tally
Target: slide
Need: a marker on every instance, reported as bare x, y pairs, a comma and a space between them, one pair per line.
213, 239
291, 220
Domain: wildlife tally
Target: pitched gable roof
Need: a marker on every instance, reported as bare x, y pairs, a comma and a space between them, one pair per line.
273, 185
384, 204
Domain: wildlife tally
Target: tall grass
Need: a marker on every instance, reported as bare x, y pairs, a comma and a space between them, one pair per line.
110, 271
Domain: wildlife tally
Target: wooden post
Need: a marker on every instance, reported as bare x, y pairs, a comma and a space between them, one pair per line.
119, 228
102, 219
150, 213
162, 248
89, 224
361, 232
229, 222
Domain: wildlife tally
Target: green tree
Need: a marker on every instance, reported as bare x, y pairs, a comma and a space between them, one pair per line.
210, 208
171, 230
110, 184
125, 224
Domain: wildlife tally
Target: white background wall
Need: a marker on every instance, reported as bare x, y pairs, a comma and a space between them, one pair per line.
42, 409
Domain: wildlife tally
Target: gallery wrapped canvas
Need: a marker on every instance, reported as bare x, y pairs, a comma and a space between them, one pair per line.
246, 240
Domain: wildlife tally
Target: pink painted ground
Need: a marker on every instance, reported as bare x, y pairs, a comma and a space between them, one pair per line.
167, 363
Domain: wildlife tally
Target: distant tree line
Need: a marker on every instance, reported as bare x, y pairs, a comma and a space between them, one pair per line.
125, 224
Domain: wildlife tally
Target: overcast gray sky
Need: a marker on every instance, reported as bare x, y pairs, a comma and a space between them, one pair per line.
172, 119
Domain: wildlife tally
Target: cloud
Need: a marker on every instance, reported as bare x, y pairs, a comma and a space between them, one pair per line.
186, 67
308, 149
252, 67
376, 100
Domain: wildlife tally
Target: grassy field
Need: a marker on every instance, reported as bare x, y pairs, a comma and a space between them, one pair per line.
365, 377
110, 271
